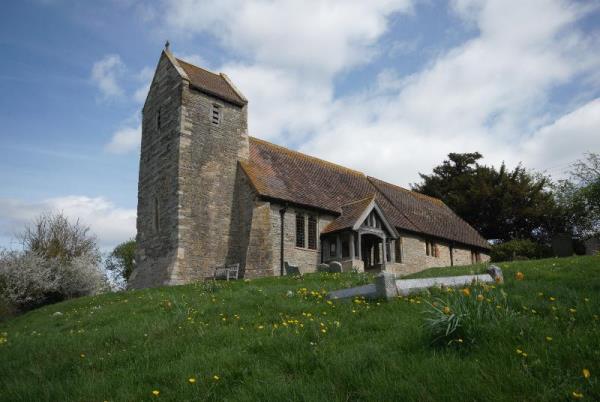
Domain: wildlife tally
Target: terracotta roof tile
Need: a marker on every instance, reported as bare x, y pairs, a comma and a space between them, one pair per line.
350, 214
211, 83
282, 174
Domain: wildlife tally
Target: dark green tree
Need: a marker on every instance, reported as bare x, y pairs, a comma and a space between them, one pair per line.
500, 203
122, 259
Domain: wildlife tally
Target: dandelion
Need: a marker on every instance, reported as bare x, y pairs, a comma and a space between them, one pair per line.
323, 330
519, 276
192, 380
156, 392
552, 298
260, 327
446, 310
549, 338
586, 373
480, 297
466, 292
577, 395
216, 377
572, 310
82, 355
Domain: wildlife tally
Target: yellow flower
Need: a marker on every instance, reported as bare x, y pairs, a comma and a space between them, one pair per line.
156, 392
577, 395
82, 355
466, 292
192, 380
552, 298
572, 310
519, 276
586, 373
480, 297
446, 310
260, 327
519, 351
216, 377
323, 330
549, 338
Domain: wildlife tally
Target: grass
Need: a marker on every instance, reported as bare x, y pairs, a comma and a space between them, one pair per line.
277, 339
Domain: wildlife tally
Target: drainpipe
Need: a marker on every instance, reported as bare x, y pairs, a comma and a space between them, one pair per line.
451, 254
282, 219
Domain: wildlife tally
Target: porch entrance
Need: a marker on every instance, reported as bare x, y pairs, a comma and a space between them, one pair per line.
371, 252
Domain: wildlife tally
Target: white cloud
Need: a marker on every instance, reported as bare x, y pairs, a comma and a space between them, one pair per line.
111, 224
317, 37
490, 93
106, 73
571, 135
125, 140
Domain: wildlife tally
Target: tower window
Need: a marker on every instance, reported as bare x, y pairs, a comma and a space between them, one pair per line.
216, 115
158, 121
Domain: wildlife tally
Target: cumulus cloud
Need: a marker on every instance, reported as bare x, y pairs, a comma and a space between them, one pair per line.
317, 37
106, 73
125, 140
110, 223
489, 94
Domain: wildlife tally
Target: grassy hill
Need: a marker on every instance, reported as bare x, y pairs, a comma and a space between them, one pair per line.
278, 339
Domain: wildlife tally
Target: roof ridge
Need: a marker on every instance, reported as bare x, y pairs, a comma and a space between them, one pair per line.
370, 197
413, 193
306, 156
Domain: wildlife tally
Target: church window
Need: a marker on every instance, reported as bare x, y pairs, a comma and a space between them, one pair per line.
300, 230
156, 215
158, 121
312, 232
216, 115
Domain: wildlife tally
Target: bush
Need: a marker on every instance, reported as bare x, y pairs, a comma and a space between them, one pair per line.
519, 249
461, 316
28, 280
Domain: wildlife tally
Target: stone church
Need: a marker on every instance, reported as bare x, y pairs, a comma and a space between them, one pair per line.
210, 195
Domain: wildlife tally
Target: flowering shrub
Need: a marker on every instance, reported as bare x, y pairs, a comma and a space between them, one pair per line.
27, 280
461, 315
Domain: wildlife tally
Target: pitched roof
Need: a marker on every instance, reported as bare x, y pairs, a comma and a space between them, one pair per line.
214, 84
350, 214
282, 174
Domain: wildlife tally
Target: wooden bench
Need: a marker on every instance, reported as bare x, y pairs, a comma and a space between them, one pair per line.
227, 272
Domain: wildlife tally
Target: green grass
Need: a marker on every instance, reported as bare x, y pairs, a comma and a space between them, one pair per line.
121, 347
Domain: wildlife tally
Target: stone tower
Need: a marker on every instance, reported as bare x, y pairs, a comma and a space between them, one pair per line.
194, 132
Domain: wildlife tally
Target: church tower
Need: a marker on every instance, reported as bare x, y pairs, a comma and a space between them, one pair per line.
194, 132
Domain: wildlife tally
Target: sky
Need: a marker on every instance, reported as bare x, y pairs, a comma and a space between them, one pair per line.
387, 87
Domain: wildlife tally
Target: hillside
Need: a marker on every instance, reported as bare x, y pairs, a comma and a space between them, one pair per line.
277, 339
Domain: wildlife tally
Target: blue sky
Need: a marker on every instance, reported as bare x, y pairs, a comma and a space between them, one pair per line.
406, 80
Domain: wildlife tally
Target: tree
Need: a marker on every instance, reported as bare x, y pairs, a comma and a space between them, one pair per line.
52, 235
122, 259
579, 196
500, 203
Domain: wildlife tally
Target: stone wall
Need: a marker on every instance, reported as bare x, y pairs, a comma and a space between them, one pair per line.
157, 241
210, 228
304, 258
462, 256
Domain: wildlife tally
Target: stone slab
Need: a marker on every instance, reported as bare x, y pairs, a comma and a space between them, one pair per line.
408, 286
367, 291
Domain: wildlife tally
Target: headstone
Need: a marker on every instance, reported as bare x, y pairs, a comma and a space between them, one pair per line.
496, 273
385, 285
322, 268
335, 267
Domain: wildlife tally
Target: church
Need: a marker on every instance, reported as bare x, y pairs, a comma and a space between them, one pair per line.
210, 195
